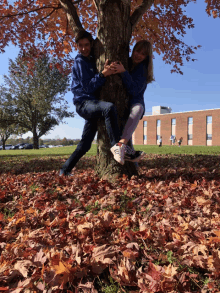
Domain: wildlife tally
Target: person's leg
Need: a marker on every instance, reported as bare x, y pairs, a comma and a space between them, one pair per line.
94, 109
132, 147
133, 120
83, 147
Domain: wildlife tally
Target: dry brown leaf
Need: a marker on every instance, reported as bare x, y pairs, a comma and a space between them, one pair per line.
23, 266
85, 228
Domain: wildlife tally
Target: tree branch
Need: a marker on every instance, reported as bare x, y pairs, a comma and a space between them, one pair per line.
44, 17
139, 12
27, 12
72, 15
96, 4
77, 2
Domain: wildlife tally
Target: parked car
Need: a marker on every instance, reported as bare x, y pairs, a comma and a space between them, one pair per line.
16, 147
28, 146
21, 147
1, 147
43, 146
8, 146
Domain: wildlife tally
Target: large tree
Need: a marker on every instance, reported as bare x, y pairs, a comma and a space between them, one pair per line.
33, 94
116, 23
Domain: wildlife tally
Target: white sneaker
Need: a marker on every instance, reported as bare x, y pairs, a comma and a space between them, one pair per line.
119, 153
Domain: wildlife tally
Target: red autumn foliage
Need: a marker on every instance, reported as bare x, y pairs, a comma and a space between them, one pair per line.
47, 25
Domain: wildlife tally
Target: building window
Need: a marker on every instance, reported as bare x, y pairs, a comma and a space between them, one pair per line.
158, 122
158, 137
208, 136
209, 119
173, 121
190, 136
145, 137
190, 120
145, 123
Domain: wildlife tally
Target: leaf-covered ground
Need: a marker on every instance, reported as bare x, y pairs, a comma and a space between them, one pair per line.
159, 232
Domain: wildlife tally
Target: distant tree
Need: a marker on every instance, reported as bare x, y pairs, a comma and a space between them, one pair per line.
64, 141
33, 94
6, 128
29, 139
41, 142
70, 142
5, 134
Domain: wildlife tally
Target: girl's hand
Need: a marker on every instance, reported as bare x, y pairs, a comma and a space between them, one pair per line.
118, 67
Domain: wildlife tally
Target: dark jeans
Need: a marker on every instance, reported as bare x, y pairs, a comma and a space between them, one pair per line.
91, 111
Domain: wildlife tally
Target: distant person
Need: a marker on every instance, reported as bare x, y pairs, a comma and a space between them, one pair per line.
171, 139
174, 140
180, 141
160, 141
85, 83
135, 80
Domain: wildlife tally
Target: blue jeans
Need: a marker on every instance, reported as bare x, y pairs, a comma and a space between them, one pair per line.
91, 111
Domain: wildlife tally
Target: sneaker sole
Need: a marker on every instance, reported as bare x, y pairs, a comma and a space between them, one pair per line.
120, 162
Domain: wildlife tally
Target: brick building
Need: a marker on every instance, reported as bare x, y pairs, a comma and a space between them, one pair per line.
196, 127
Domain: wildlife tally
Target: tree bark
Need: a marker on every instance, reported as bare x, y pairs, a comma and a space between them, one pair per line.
35, 139
114, 34
3, 143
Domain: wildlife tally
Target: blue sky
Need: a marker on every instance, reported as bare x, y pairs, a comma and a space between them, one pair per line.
197, 89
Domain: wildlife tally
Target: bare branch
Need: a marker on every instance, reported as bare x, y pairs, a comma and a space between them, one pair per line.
72, 15
96, 4
77, 2
139, 12
49, 14
27, 12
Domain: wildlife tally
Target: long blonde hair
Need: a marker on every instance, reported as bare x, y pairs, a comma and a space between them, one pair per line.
146, 47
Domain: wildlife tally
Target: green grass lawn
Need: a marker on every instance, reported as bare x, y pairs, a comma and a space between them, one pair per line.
149, 149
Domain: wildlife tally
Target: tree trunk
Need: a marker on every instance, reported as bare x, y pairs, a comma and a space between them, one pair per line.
35, 139
114, 34
3, 143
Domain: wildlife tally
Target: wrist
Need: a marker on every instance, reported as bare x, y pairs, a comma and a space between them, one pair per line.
102, 73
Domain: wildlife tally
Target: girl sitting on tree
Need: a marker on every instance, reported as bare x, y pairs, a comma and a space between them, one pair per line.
140, 73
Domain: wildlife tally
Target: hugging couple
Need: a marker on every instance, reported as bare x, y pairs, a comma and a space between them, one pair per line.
85, 83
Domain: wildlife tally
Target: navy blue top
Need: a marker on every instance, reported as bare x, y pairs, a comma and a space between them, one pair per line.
85, 79
135, 82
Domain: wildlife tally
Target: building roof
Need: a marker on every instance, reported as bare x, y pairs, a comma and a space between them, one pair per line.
183, 112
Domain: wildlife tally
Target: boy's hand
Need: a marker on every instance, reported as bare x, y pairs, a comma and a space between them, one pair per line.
107, 69
117, 66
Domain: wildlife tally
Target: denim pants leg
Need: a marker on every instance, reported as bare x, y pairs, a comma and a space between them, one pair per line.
89, 132
91, 111
94, 109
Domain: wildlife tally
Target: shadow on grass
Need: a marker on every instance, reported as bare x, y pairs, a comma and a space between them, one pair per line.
153, 167
188, 167
27, 164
